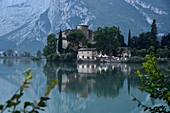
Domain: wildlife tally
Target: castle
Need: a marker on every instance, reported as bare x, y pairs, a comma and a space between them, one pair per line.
83, 27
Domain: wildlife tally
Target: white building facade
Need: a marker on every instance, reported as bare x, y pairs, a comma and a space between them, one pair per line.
87, 54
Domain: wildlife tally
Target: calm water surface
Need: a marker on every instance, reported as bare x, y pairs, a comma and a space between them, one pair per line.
82, 88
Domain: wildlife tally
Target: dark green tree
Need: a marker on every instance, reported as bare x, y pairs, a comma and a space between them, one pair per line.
134, 42
165, 41
106, 40
163, 53
60, 44
143, 41
77, 38
120, 38
153, 35
129, 39
50, 48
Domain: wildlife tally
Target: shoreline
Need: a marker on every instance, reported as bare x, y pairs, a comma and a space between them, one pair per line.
129, 60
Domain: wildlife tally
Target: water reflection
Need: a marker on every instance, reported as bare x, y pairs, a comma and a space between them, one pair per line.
104, 80
10, 62
82, 88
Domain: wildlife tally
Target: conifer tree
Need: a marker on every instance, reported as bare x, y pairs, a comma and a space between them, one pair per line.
153, 35
60, 45
129, 39
154, 30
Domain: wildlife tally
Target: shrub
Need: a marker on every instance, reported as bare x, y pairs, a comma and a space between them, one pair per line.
136, 59
156, 84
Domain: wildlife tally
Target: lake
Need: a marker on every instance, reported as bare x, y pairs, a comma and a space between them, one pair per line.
82, 88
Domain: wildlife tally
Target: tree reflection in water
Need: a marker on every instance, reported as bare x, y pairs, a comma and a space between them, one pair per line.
11, 62
81, 79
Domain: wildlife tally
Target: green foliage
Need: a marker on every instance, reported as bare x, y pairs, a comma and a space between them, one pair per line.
163, 53
50, 48
140, 53
76, 37
15, 100
134, 42
156, 84
71, 49
153, 37
60, 44
144, 41
143, 52
136, 59
153, 29
120, 38
106, 40
165, 41
134, 52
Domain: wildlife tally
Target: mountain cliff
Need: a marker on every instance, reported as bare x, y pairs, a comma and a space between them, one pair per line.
24, 24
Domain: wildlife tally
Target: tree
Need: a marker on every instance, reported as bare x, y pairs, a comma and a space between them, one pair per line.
134, 42
106, 40
165, 41
153, 35
120, 38
4, 53
142, 52
60, 44
154, 30
144, 41
129, 39
156, 84
163, 53
50, 48
39, 53
9, 52
77, 38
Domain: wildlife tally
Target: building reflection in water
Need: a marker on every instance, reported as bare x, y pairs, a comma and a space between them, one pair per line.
82, 79
94, 68
86, 69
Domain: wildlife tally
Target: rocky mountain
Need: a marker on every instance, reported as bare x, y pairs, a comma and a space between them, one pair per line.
24, 24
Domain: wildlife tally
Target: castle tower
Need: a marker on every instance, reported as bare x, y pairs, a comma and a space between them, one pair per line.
85, 29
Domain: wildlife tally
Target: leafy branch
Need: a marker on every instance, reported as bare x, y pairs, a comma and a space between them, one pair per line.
156, 84
15, 100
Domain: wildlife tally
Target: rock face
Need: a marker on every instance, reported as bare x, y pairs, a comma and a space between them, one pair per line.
24, 24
